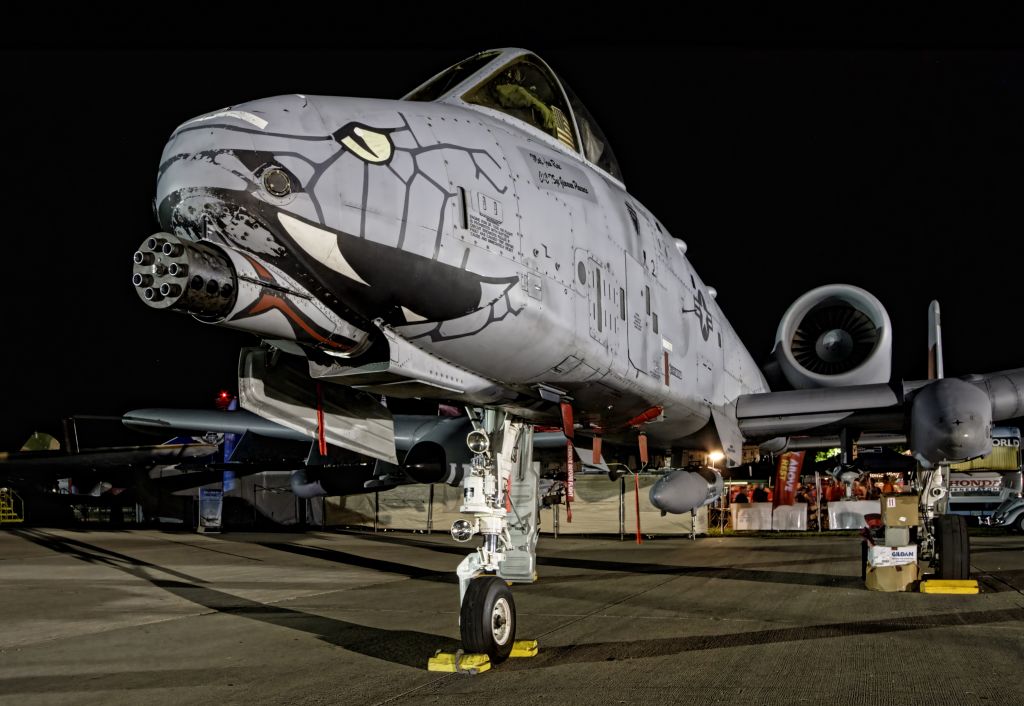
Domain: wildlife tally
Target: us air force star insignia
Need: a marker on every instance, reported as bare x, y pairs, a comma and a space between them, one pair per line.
703, 315
369, 144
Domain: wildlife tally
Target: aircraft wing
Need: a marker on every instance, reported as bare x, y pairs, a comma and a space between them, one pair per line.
944, 419
201, 421
113, 457
35, 467
820, 411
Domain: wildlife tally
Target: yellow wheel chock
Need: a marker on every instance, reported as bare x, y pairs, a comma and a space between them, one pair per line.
949, 586
524, 648
458, 661
469, 663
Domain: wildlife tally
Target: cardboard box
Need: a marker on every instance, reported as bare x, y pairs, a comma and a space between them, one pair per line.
896, 536
891, 578
892, 556
900, 511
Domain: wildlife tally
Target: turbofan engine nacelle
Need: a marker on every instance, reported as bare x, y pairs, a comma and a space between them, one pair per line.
436, 446
680, 491
833, 336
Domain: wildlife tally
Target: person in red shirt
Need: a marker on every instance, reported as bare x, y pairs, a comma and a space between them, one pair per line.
835, 492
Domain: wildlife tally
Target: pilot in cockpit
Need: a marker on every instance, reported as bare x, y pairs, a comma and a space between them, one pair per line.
522, 91
513, 94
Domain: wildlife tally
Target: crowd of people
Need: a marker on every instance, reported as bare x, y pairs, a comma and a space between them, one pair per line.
832, 490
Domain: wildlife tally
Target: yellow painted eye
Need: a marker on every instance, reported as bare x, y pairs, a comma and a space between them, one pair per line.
373, 146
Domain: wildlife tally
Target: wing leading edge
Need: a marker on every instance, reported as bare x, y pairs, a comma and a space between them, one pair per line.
946, 419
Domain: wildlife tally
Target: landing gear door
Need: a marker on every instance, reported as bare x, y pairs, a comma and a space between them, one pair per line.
638, 315
591, 278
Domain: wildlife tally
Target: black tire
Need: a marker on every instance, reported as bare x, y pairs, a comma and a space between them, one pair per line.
487, 620
953, 548
1018, 524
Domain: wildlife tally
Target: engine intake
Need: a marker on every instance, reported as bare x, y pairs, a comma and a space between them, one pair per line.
833, 336
436, 447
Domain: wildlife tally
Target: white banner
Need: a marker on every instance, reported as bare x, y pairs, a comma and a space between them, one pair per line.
849, 514
211, 509
892, 556
751, 516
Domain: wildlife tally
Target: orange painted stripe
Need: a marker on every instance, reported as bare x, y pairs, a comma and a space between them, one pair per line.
270, 301
260, 269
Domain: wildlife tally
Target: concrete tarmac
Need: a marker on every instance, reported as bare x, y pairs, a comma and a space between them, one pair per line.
328, 618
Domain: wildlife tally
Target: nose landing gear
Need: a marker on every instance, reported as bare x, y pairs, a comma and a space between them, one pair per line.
501, 491
944, 539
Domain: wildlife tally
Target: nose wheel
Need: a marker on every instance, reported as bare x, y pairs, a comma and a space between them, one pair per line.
487, 620
952, 547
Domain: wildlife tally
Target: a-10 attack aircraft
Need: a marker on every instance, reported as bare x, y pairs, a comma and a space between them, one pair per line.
474, 243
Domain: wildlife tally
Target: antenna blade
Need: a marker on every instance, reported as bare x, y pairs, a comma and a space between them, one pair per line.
934, 342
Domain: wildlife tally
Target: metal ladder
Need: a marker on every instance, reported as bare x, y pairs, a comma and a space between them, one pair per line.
12, 509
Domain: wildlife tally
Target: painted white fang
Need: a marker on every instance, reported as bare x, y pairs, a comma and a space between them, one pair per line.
411, 316
321, 244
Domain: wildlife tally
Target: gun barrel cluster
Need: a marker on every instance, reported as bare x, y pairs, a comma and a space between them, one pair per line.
195, 278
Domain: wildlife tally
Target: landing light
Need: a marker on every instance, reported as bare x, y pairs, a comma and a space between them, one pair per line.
478, 442
462, 531
715, 456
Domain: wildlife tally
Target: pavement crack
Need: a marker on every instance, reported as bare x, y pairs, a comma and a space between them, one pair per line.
413, 690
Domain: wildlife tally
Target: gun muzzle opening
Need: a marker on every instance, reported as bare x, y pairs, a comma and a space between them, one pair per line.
161, 265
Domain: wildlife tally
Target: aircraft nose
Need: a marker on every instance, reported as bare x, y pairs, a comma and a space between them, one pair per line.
224, 171
315, 188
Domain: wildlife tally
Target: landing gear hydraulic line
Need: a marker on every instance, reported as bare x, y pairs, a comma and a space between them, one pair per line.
500, 491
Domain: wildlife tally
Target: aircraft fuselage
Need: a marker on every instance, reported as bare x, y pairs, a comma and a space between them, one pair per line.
486, 244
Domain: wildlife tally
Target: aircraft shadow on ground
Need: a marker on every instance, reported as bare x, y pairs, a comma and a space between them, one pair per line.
1002, 581
796, 578
661, 647
409, 647
406, 647
339, 557
413, 572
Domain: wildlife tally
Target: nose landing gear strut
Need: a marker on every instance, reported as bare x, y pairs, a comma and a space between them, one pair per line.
500, 490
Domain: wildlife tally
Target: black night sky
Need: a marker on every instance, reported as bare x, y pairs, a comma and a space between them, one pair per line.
895, 168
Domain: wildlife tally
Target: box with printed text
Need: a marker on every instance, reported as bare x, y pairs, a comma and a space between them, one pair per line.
892, 556
900, 511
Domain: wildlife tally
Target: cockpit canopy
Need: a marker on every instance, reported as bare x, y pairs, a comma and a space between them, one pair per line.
522, 86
